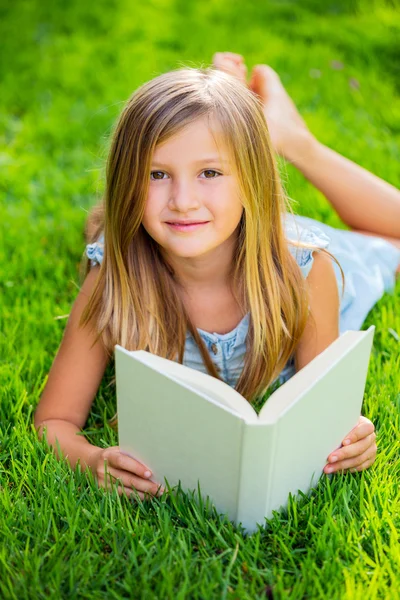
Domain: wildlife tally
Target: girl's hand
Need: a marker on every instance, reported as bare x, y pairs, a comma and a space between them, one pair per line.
111, 464
358, 450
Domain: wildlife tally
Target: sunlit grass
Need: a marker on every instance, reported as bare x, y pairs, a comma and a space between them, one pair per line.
66, 70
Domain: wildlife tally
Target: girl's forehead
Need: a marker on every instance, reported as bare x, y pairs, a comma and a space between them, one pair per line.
203, 137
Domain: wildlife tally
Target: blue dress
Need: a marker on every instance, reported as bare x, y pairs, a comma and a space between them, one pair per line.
369, 264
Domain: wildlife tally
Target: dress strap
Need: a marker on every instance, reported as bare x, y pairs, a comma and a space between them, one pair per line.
95, 251
310, 235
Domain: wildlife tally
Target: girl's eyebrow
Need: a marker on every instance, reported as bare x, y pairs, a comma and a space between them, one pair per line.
211, 159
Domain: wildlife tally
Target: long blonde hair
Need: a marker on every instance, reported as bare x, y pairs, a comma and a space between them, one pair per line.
136, 301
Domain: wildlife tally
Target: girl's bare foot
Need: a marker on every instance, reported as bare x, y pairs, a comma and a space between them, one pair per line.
289, 133
231, 63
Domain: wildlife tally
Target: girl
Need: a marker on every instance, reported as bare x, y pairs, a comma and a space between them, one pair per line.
196, 257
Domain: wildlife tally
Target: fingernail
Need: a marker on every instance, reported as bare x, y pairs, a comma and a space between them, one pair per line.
328, 469
147, 473
346, 442
333, 458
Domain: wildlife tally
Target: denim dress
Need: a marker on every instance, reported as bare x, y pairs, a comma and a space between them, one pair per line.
369, 264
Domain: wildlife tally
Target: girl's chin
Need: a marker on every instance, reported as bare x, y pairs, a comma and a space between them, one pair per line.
187, 252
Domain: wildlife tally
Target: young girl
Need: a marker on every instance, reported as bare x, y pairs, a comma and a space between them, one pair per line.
196, 257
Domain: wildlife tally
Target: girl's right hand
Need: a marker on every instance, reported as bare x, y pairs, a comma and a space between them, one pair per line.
111, 464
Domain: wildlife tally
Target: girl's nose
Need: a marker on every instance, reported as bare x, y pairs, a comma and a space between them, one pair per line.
183, 197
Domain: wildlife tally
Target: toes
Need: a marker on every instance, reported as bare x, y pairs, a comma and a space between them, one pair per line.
216, 57
264, 80
237, 58
221, 61
266, 72
256, 81
231, 63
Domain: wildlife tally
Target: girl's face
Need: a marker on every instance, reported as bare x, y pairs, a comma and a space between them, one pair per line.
191, 180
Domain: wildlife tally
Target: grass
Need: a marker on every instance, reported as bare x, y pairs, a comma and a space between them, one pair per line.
66, 70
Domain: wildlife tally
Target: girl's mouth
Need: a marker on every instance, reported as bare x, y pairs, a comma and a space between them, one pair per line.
189, 227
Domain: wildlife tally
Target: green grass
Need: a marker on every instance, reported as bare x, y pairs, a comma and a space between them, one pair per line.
66, 69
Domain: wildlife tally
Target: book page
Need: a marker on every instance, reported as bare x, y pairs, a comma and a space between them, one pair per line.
177, 433
315, 424
209, 386
302, 381
287, 451
247, 467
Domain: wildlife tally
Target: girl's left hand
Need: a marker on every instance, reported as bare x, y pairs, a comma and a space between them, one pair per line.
358, 450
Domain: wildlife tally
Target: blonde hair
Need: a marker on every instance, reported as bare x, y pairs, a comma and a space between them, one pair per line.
136, 301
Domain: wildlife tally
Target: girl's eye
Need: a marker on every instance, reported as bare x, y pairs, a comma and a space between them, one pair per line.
157, 175
213, 174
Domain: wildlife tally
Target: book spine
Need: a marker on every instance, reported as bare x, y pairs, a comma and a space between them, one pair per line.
257, 461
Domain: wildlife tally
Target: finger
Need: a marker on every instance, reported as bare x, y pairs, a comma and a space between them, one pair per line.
353, 464
131, 493
109, 480
353, 450
364, 465
110, 483
348, 452
363, 428
362, 431
132, 481
144, 495
120, 460
353, 461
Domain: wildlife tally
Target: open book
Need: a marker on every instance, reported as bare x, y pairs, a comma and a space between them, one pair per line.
191, 427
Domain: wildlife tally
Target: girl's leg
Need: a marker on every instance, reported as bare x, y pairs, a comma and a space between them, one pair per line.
363, 201
394, 241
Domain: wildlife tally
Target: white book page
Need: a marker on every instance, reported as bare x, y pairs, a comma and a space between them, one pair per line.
177, 433
213, 388
301, 382
178, 426
317, 424
287, 452
290, 392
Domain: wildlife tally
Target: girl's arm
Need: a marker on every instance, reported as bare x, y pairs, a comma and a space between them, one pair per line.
359, 448
69, 393
323, 323
72, 385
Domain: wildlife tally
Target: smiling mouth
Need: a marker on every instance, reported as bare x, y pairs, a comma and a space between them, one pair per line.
187, 226
186, 222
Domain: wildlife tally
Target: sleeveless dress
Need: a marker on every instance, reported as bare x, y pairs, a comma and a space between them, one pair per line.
369, 264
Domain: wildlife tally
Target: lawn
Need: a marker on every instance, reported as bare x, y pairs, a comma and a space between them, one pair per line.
66, 69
